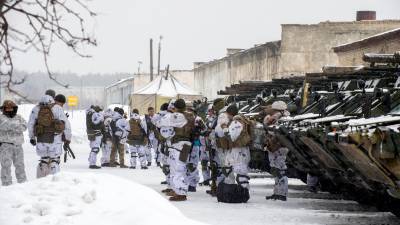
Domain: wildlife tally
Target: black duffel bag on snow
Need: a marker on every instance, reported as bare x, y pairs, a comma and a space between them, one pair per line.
232, 193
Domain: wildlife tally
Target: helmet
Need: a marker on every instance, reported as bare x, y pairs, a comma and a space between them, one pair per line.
51, 93
60, 98
180, 104
279, 105
232, 110
8, 104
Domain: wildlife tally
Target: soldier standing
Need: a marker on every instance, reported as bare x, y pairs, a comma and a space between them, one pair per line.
153, 143
12, 127
193, 176
94, 128
48, 128
106, 144
137, 139
216, 150
120, 130
179, 148
276, 152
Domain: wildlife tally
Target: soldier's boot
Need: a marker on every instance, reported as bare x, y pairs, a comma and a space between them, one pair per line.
281, 198
164, 182
132, 167
178, 198
149, 164
192, 189
170, 193
213, 190
105, 164
94, 167
158, 164
205, 183
270, 197
166, 190
123, 166
144, 167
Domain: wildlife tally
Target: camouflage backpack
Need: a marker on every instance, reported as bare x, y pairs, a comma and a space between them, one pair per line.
44, 127
137, 133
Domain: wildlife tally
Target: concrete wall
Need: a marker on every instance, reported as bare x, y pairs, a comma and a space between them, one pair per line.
307, 48
257, 63
303, 48
354, 57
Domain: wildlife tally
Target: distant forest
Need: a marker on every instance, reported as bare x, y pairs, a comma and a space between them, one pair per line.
37, 82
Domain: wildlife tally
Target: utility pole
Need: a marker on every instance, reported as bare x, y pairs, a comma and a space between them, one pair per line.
167, 72
159, 55
139, 64
151, 59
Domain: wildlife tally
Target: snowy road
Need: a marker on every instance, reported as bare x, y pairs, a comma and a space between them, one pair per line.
301, 208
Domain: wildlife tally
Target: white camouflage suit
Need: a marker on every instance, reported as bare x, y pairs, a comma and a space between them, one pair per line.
107, 140
49, 153
236, 160
97, 118
153, 142
193, 176
277, 161
177, 167
11, 152
138, 151
167, 133
221, 154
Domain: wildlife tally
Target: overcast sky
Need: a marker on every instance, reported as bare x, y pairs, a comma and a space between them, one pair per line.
193, 30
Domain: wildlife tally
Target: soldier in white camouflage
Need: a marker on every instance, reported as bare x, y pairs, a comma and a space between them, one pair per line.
276, 152
12, 127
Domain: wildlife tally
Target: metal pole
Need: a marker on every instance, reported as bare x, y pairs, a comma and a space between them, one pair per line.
151, 59
159, 56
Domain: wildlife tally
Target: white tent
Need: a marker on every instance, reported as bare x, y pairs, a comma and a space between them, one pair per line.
162, 89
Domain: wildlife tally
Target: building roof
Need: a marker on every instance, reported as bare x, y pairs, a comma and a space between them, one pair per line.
270, 44
119, 82
388, 35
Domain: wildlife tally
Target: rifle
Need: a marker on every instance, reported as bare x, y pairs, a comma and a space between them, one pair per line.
68, 151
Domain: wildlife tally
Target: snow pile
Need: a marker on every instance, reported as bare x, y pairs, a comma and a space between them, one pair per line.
85, 198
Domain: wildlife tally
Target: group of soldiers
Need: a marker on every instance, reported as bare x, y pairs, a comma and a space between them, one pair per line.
179, 137
182, 141
112, 132
49, 130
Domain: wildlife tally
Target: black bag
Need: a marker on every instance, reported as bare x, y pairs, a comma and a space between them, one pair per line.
232, 193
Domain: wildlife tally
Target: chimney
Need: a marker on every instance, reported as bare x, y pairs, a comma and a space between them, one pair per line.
366, 15
231, 51
197, 64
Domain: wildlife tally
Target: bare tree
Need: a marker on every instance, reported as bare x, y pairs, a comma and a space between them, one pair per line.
41, 23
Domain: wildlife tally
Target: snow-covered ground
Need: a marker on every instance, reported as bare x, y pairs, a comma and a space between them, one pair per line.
131, 199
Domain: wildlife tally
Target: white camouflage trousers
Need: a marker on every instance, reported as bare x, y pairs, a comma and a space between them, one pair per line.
192, 175
106, 152
178, 169
49, 162
238, 160
12, 154
204, 159
277, 161
219, 159
95, 149
137, 151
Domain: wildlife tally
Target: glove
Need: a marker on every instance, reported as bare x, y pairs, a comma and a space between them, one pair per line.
33, 142
190, 167
66, 143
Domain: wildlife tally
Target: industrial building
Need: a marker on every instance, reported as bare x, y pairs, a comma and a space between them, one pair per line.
303, 48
